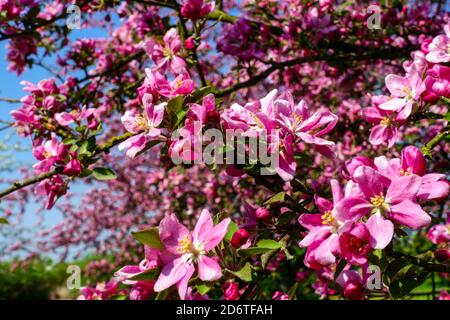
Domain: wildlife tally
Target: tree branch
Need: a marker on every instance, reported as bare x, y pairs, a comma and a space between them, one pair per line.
105, 148
426, 149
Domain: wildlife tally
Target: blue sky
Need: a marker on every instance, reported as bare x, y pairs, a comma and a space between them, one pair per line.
10, 87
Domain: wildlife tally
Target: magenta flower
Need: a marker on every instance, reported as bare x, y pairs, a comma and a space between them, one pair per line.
52, 188
49, 153
437, 83
144, 126
439, 233
308, 128
167, 56
189, 249
397, 203
195, 9
386, 121
157, 84
324, 229
404, 90
412, 162
352, 284
67, 118
439, 48
354, 244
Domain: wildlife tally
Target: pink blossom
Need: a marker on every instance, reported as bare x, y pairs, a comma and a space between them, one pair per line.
67, 118
324, 229
195, 9
397, 204
439, 233
351, 283
437, 83
52, 188
278, 295
405, 92
167, 56
231, 290
144, 126
49, 153
439, 48
189, 249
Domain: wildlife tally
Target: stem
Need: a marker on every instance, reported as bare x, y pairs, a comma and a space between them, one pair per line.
426, 149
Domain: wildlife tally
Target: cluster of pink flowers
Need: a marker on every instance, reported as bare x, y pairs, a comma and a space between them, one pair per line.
286, 124
182, 251
426, 81
379, 194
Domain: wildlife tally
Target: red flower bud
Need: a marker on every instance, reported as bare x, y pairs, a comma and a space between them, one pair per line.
231, 290
354, 291
239, 238
262, 214
442, 255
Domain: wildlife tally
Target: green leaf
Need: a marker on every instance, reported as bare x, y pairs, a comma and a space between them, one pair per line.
69, 140
3, 221
262, 246
149, 237
117, 297
268, 244
162, 295
279, 197
232, 228
203, 288
198, 94
103, 173
174, 105
147, 275
245, 274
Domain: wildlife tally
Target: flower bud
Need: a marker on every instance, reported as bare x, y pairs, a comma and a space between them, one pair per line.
239, 238
442, 255
262, 214
231, 290
354, 291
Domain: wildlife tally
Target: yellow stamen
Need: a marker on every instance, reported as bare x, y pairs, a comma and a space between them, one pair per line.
141, 122
327, 218
386, 122
377, 201
184, 245
406, 172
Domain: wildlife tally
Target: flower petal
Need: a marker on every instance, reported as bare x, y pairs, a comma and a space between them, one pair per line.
381, 231
208, 269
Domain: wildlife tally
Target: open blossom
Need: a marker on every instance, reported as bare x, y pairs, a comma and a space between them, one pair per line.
167, 56
195, 9
158, 85
412, 162
67, 118
384, 200
189, 249
144, 126
405, 92
53, 188
49, 153
439, 48
285, 125
387, 122
140, 290
324, 229
437, 83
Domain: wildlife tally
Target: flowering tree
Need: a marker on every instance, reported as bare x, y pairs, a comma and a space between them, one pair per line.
239, 149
